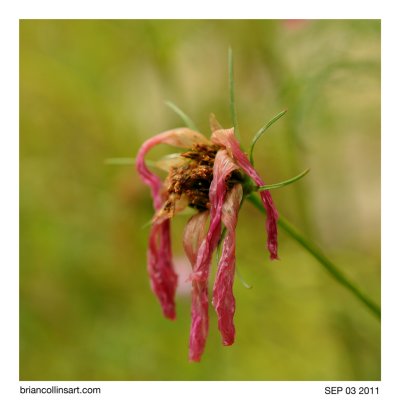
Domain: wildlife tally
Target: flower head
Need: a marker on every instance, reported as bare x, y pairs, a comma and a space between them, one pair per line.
210, 176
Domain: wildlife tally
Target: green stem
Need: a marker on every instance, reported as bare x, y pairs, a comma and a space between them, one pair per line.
261, 132
283, 183
313, 249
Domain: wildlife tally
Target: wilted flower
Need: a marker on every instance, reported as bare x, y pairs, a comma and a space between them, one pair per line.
211, 176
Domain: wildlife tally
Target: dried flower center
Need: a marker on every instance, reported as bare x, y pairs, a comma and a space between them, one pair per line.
193, 178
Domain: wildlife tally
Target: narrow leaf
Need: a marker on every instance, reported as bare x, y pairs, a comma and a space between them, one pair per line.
186, 119
283, 183
262, 131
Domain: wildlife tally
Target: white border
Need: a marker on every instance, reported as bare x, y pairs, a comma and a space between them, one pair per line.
284, 390
206, 9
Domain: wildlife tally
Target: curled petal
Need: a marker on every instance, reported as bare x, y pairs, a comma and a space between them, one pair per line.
162, 276
181, 137
223, 167
226, 138
223, 299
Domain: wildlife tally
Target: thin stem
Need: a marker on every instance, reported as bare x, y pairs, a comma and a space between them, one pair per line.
261, 132
232, 94
283, 183
313, 249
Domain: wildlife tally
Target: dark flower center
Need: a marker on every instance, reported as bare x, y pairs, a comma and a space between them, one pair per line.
193, 178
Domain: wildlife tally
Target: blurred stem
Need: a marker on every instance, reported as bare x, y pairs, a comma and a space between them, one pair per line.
232, 95
313, 249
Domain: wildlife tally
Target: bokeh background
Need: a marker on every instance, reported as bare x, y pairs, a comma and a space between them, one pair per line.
92, 90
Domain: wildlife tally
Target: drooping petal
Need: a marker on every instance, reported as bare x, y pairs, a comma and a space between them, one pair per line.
272, 221
194, 233
223, 299
223, 167
199, 325
226, 138
162, 276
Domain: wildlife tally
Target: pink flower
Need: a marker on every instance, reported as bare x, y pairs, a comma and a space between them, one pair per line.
212, 177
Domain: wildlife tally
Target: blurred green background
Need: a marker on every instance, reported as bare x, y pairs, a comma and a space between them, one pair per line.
91, 90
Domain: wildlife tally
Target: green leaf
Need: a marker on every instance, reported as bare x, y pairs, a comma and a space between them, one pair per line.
186, 119
283, 183
232, 94
262, 131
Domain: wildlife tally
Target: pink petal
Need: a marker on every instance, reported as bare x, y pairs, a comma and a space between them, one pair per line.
223, 299
194, 234
163, 279
199, 325
162, 276
226, 138
223, 167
